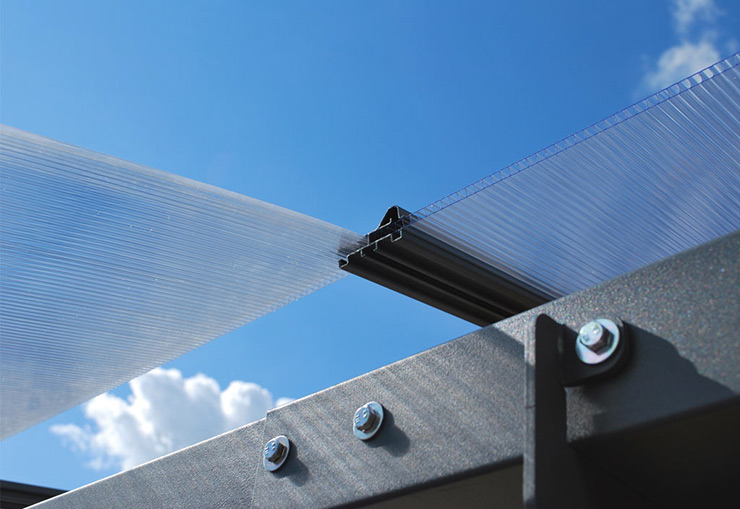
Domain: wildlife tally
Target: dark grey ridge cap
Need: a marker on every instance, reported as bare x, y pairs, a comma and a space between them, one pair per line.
437, 273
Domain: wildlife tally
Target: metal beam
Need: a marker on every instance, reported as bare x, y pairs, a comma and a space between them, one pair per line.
665, 425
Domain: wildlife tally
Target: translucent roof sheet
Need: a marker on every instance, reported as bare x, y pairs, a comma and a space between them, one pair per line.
653, 180
109, 269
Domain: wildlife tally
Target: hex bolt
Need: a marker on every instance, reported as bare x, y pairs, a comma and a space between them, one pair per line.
274, 450
595, 337
597, 341
275, 453
367, 420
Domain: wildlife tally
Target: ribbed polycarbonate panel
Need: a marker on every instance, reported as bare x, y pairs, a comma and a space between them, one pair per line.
651, 181
109, 269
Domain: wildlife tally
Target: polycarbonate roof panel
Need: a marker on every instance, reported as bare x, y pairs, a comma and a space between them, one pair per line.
649, 182
109, 269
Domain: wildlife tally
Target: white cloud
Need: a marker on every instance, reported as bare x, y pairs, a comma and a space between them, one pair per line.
680, 61
283, 401
691, 54
687, 12
164, 413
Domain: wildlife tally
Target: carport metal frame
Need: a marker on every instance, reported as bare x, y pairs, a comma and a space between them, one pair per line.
484, 420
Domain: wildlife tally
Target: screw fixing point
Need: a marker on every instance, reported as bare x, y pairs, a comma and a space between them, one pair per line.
367, 420
275, 453
597, 341
274, 450
595, 336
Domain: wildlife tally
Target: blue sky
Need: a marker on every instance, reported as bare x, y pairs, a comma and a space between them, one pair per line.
337, 110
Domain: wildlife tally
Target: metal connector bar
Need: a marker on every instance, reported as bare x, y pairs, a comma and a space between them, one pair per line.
427, 269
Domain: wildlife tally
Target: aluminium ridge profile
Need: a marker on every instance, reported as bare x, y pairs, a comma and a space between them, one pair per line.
418, 265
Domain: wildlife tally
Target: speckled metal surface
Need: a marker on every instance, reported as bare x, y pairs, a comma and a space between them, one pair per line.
449, 411
457, 410
684, 318
216, 473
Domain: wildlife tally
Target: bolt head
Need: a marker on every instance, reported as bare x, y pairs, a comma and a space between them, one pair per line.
274, 451
365, 418
595, 337
597, 341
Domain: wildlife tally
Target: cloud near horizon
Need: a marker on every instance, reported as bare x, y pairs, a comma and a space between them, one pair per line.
164, 413
697, 48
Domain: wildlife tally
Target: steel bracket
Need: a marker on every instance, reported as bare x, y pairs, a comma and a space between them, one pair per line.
555, 474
